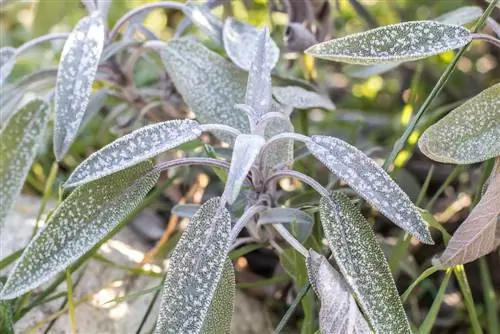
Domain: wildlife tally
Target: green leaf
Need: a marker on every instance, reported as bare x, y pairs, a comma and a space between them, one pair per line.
76, 73
362, 263
371, 182
6, 322
461, 16
88, 214
220, 314
405, 41
298, 222
246, 150
468, 134
7, 62
239, 38
19, 141
195, 269
301, 98
133, 148
339, 313
280, 152
49, 13
204, 20
209, 84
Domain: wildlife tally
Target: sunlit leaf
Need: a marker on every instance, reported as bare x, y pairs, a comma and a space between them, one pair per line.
371, 182
185, 210
239, 41
300, 98
468, 134
220, 314
77, 70
246, 149
339, 312
19, 141
195, 269
405, 41
298, 222
461, 16
476, 235
362, 263
7, 62
209, 84
88, 214
206, 21
133, 148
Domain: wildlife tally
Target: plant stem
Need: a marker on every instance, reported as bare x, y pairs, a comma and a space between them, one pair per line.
424, 275
304, 178
454, 174
291, 239
484, 37
46, 195
288, 314
71, 303
459, 272
191, 161
221, 127
150, 308
45, 38
400, 143
432, 314
243, 220
489, 296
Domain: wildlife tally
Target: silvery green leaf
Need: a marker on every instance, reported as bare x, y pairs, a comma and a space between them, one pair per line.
362, 263
103, 7
475, 237
282, 108
206, 21
209, 84
301, 98
339, 312
280, 153
258, 93
96, 102
365, 71
77, 70
88, 214
239, 38
468, 134
7, 62
112, 49
6, 321
246, 149
218, 319
133, 148
19, 141
371, 182
298, 222
461, 16
400, 42
32, 82
195, 269
185, 210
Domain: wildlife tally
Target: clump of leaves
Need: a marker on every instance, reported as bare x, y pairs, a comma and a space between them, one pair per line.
237, 102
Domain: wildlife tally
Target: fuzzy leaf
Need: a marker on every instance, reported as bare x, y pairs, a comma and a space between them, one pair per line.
300, 98
280, 153
185, 210
218, 319
298, 222
461, 16
371, 182
7, 62
476, 235
405, 41
258, 93
246, 149
239, 38
195, 270
19, 141
96, 102
468, 134
209, 84
339, 313
133, 148
88, 214
362, 263
204, 20
77, 70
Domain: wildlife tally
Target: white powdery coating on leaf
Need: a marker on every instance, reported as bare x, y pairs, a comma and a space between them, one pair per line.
371, 182
19, 140
301, 98
195, 269
398, 42
468, 134
362, 263
476, 237
78, 223
7, 62
77, 70
461, 15
245, 151
209, 84
239, 38
133, 148
339, 312
201, 16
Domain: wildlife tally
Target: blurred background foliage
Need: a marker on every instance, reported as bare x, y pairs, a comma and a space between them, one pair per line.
371, 113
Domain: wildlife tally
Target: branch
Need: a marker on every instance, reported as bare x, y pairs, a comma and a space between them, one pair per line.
45, 38
191, 161
304, 178
244, 219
